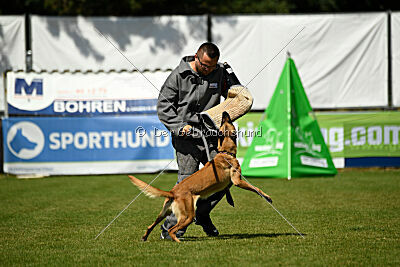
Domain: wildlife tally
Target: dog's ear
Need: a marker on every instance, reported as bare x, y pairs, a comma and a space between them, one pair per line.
225, 118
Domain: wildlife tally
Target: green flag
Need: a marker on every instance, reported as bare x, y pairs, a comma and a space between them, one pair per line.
291, 143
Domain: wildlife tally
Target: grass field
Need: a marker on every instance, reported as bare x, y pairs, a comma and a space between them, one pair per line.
352, 219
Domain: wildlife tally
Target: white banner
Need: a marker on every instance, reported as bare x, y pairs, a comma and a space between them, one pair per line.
395, 19
102, 43
12, 48
341, 58
83, 94
89, 168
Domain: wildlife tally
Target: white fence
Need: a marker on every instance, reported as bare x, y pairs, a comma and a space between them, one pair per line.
343, 59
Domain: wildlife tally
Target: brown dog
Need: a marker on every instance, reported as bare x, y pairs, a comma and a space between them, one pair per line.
213, 177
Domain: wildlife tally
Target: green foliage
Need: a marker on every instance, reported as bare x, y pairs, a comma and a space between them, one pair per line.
184, 7
352, 219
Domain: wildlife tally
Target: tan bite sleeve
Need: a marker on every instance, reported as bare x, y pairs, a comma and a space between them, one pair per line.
237, 103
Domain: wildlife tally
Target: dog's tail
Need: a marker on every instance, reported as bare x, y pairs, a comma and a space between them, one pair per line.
150, 190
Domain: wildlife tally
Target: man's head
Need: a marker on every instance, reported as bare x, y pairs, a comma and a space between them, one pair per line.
206, 58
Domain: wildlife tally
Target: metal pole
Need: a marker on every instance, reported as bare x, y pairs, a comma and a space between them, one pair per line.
209, 28
389, 48
28, 43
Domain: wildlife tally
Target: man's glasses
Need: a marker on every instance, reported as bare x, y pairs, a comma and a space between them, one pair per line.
205, 66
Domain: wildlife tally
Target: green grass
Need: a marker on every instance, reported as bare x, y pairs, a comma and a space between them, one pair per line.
352, 219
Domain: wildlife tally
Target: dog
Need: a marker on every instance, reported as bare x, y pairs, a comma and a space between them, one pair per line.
215, 176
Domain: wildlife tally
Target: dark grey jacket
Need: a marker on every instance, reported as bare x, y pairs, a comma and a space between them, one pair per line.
185, 94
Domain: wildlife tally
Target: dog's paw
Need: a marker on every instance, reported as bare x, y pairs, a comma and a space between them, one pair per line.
268, 198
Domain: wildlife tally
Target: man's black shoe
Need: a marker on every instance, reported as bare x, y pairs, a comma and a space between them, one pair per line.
210, 230
208, 227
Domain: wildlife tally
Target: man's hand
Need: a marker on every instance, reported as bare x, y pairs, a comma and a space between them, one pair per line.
186, 130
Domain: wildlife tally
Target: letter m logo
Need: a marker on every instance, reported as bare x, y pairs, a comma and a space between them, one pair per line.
20, 84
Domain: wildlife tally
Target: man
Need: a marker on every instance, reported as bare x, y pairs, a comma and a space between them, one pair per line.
196, 85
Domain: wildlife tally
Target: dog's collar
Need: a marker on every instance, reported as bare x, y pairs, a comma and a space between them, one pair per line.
228, 153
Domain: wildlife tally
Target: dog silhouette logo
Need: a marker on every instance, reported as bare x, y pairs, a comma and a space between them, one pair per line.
25, 140
20, 142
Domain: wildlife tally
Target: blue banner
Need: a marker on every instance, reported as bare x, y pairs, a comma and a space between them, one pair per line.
96, 139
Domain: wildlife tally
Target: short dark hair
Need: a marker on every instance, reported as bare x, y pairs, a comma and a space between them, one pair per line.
210, 49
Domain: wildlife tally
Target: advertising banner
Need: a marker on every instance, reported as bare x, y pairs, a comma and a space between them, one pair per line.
350, 136
102, 145
97, 145
364, 138
83, 94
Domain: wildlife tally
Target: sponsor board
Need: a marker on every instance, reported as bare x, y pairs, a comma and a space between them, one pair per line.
369, 134
85, 145
347, 135
78, 94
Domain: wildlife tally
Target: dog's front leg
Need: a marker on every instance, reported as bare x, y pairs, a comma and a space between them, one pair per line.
237, 181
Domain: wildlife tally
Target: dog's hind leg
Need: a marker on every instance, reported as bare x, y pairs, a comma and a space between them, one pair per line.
185, 209
164, 213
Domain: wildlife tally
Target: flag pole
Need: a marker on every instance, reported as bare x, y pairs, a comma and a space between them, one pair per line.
289, 117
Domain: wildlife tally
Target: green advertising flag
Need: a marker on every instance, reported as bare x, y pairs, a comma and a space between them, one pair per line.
290, 143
